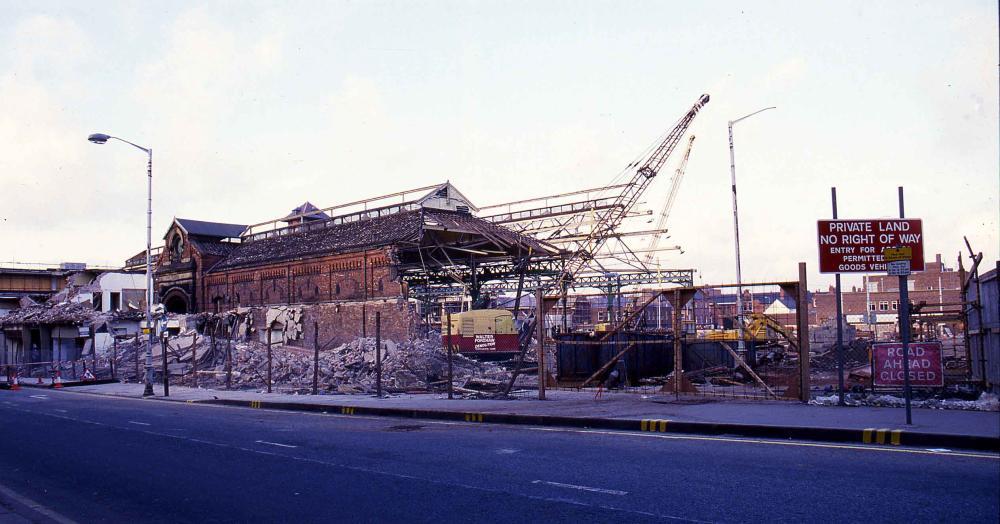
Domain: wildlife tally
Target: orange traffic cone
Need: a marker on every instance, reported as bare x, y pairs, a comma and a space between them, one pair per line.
15, 385
58, 382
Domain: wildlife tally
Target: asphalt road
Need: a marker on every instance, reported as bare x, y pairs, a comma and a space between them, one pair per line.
99, 459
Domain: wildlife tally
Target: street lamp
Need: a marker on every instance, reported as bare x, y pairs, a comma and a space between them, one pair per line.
101, 138
736, 229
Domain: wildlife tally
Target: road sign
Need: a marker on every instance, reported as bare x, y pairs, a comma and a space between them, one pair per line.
858, 246
898, 268
896, 254
925, 364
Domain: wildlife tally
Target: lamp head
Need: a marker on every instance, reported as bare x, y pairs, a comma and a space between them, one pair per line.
98, 138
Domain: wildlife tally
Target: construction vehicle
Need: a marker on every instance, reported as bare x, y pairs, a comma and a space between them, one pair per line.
756, 330
482, 331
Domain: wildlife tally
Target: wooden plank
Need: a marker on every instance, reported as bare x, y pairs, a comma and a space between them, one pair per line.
607, 365
744, 365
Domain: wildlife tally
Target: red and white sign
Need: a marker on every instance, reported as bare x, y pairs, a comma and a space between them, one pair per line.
855, 246
484, 343
925, 364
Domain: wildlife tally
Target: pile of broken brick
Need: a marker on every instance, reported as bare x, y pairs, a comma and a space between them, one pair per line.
417, 366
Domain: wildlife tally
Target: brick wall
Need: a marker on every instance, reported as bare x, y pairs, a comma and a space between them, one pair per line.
936, 285
327, 279
340, 323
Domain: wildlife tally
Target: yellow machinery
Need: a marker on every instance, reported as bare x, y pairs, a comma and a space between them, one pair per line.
755, 330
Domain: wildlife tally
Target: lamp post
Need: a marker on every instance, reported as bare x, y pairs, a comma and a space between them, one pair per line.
736, 229
100, 138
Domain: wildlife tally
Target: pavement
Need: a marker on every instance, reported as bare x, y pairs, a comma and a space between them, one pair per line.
629, 411
100, 458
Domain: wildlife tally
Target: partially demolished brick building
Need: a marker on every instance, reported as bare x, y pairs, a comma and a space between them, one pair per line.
341, 269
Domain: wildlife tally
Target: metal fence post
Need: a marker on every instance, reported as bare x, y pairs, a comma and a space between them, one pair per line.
316, 359
93, 347
227, 331
678, 344
540, 320
269, 359
137, 375
194, 359
802, 317
166, 376
451, 392
378, 354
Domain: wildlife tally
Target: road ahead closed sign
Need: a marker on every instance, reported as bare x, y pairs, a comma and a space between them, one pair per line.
925, 364
857, 246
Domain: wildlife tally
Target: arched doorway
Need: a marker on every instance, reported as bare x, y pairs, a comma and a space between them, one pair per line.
176, 301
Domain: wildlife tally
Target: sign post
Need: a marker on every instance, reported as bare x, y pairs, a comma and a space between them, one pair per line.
904, 323
893, 246
840, 320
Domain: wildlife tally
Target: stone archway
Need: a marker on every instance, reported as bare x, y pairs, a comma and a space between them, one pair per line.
177, 301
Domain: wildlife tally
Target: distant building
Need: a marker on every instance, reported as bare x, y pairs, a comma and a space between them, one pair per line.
875, 306
36, 284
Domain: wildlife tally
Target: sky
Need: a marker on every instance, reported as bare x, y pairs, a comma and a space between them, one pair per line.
252, 108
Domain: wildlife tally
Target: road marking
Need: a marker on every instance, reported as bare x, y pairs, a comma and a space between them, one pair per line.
506, 451
61, 410
932, 451
371, 470
772, 442
34, 506
276, 444
38, 396
581, 488
139, 423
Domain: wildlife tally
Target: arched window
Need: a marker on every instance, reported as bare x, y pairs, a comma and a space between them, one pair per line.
176, 247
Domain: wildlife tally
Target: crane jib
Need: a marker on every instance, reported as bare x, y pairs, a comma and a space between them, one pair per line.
611, 218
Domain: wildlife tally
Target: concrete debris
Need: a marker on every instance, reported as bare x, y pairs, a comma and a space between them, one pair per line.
285, 323
824, 337
855, 355
985, 402
418, 366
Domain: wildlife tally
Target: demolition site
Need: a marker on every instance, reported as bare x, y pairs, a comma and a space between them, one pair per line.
424, 291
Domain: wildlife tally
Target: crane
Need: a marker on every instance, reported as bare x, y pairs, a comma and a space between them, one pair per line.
608, 220
669, 204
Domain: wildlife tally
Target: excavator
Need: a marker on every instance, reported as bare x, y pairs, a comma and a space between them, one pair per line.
755, 331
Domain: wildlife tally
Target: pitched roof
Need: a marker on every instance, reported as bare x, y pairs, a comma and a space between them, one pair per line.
210, 229
307, 211
448, 192
327, 238
219, 249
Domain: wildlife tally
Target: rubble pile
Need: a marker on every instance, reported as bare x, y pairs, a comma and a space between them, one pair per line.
415, 366
985, 402
855, 355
